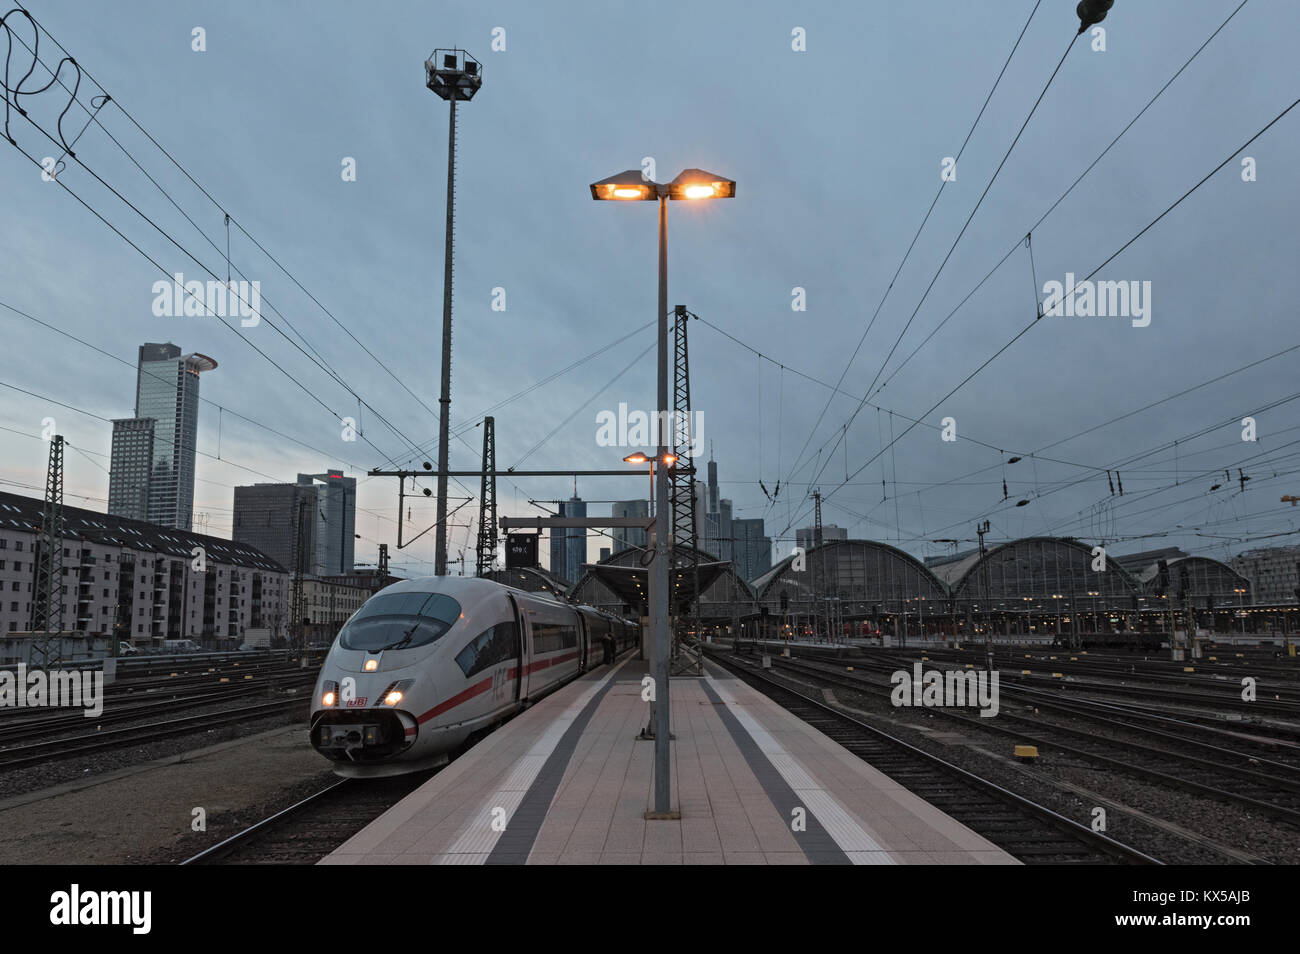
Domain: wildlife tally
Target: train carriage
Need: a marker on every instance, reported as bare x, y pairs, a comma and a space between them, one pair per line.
425, 664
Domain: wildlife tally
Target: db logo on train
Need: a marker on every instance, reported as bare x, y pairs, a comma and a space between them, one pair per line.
358, 703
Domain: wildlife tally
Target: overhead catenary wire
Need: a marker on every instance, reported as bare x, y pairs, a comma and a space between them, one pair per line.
1064, 195
1024, 240
939, 271
1001, 350
903, 261
315, 356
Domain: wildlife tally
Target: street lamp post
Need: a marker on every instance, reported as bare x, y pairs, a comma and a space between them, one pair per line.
637, 457
633, 186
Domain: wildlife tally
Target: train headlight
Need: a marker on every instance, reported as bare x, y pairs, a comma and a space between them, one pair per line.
371, 665
396, 692
330, 695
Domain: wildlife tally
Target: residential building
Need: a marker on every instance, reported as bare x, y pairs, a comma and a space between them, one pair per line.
140, 581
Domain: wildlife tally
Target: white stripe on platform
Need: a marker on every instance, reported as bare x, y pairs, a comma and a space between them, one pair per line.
838, 821
477, 841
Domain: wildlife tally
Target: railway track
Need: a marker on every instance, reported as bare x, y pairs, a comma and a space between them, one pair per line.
1267, 740
40, 753
178, 685
307, 831
1012, 674
1271, 788
52, 721
1028, 831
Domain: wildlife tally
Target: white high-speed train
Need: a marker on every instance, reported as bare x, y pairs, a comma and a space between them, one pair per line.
425, 664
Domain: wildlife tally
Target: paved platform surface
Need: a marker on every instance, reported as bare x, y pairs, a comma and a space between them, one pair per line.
568, 782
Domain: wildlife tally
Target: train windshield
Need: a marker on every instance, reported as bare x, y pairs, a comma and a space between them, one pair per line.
400, 621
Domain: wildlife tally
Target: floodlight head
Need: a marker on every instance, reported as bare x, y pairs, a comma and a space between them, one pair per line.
636, 457
698, 184
629, 185
453, 74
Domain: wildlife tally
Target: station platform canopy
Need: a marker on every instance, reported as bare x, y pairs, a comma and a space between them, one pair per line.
632, 583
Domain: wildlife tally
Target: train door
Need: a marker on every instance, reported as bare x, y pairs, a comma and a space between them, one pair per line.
520, 655
584, 642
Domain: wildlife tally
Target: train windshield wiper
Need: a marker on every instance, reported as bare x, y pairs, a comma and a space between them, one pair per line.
405, 639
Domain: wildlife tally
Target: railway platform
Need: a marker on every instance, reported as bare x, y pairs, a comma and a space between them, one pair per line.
568, 782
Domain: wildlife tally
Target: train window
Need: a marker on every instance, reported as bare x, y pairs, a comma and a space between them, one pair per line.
497, 645
399, 621
552, 637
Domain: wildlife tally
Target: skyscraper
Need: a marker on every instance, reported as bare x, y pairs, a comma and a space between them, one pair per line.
713, 517
167, 393
625, 537
266, 517
130, 464
337, 499
569, 544
751, 548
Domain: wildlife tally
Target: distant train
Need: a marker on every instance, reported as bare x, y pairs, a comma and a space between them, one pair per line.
426, 664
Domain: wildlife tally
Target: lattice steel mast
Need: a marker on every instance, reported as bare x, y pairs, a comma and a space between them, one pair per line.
681, 476
47, 601
296, 609
487, 510
819, 570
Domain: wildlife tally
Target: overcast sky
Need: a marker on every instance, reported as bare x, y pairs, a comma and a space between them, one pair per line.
837, 152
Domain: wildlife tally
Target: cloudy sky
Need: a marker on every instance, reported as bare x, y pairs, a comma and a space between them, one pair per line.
837, 149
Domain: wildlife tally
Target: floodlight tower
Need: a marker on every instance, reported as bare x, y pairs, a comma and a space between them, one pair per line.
455, 76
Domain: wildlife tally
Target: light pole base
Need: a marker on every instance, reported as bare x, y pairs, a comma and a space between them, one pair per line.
648, 735
661, 816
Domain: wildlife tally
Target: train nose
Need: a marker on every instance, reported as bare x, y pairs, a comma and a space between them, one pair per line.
369, 735
366, 719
